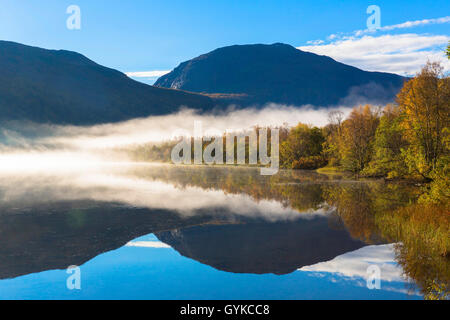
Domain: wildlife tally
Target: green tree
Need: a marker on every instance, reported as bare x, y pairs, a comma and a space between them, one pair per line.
388, 160
448, 50
302, 145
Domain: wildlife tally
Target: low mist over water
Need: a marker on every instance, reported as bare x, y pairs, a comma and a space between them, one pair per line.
157, 128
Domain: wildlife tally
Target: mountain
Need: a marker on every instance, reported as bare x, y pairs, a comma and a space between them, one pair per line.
260, 247
279, 73
64, 87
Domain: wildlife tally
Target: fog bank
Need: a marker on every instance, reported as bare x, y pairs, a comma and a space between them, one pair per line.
158, 128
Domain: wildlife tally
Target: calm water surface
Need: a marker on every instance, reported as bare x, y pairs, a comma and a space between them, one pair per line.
166, 232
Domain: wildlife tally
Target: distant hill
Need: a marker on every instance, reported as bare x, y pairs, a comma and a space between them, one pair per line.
280, 73
239, 248
58, 86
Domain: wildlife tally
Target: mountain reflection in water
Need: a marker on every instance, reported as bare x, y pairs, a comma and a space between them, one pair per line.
261, 247
230, 218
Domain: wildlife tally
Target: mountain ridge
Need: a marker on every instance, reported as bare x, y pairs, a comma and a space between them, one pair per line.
278, 73
65, 87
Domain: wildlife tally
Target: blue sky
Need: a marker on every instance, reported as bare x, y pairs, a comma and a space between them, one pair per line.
157, 35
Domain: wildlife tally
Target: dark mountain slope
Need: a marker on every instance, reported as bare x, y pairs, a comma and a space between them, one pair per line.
59, 86
260, 247
279, 73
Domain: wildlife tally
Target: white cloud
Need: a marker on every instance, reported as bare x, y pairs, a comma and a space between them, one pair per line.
403, 25
407, 24
401, 53
147, 74
354, 264
147, 244
315, 42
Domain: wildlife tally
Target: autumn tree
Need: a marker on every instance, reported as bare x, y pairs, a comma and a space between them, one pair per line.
425, 101
302, 148
356, 143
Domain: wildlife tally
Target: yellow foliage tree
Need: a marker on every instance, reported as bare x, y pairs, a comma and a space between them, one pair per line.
425, 101
356, 141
